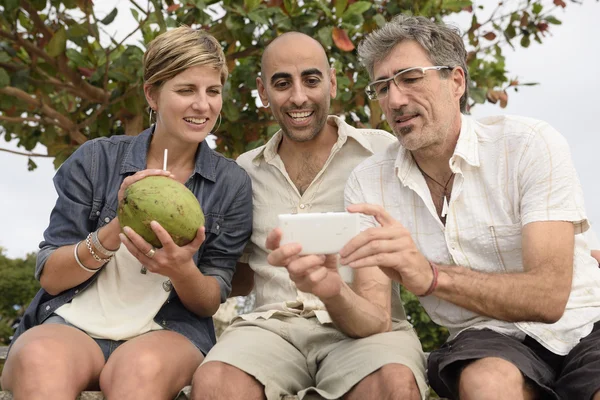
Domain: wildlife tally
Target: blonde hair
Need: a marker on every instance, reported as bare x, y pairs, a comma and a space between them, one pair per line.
178, 49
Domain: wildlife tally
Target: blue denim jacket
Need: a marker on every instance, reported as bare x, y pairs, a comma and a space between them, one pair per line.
87, 185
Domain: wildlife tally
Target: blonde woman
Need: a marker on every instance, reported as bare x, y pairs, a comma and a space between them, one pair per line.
115, 313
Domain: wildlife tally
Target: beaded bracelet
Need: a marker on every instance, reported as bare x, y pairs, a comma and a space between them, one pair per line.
99, 248
88, 243
79, 261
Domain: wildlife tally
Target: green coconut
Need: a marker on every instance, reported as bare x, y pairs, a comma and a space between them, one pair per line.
166, 201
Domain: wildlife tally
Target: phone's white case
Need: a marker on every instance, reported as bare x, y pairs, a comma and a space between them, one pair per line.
319, 233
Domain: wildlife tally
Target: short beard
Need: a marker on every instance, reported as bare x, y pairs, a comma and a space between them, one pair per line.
403, 131
301, 139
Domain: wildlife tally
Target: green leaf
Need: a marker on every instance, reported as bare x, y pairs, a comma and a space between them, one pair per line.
525, 41
39, 5
510, 32
379, 19
537, 8
340, 7
250, 5
4, 78
324, 36
58, 43
110, 17
290, 6
77, 31
357, 8
552, 20
10, 5
455, 5
260, 16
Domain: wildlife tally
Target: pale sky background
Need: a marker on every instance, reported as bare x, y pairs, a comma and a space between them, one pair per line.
565, 65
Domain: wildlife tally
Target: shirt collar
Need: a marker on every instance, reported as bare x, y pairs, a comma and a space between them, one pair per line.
467, 148
344, 131
135, 158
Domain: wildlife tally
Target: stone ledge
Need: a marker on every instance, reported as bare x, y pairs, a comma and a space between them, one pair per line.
183, 395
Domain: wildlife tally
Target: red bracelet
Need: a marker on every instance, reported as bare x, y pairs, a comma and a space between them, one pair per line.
434, 282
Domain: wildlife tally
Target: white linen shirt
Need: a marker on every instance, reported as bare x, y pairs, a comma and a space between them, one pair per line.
274, 193
510, 171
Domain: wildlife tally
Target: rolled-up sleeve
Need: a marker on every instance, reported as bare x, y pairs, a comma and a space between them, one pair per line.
223, 250
70, 215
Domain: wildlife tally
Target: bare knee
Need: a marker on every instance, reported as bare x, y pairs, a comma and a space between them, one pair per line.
40, 365
491, 378
35, 359
218, 380
392, 381
141, 369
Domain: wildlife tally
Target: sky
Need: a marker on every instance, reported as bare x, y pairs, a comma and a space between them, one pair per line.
565, 66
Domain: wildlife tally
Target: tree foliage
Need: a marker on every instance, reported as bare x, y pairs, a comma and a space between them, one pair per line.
17, 287
64, 79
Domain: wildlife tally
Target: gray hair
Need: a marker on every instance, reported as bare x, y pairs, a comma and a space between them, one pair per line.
443, 44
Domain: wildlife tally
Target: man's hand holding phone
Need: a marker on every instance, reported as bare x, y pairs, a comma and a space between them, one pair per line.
323, 235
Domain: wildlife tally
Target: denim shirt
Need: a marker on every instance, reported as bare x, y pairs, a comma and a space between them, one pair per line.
88, 184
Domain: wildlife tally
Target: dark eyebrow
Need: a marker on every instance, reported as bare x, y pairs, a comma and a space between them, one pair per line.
280, 75
287, 75
312, 71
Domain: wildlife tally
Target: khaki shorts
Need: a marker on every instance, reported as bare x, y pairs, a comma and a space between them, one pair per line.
300, 356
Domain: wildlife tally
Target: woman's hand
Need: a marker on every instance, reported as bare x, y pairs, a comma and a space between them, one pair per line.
130, 180
171, 260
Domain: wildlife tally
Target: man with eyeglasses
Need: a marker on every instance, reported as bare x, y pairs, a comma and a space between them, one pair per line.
481, 219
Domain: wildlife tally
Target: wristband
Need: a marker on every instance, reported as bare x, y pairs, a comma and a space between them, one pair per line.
79, 261
434, 281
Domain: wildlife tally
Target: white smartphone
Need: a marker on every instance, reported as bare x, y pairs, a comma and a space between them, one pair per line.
319, 233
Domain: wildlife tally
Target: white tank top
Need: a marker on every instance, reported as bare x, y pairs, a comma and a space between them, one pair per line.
121, 304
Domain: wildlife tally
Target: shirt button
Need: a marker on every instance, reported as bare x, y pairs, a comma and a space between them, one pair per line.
76, 291
164, 323
217, 227
107, 220
47, 308
97, 212
302, 206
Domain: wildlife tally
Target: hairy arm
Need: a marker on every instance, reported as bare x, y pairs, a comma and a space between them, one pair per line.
540, 293
365, 308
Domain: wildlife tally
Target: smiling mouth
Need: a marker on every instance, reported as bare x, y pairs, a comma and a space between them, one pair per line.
300, 116
196, 121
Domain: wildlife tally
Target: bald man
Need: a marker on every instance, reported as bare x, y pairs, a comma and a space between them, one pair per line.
313, 334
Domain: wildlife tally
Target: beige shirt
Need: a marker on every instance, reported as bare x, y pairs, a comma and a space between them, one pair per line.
274, 193
510, 171
121, 303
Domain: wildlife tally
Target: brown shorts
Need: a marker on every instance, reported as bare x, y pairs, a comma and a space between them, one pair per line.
299, 356
570, 377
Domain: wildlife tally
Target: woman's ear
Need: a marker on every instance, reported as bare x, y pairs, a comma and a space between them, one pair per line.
150, 93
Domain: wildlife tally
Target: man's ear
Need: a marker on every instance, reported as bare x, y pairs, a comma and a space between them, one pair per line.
459, 82
262, 92
150, 94
333, 83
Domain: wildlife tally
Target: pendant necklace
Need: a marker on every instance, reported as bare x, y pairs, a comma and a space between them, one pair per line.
445, 187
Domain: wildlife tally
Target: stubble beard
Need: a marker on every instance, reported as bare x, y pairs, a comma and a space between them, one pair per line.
314, 131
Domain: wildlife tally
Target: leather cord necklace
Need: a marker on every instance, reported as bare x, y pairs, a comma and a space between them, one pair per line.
444, 187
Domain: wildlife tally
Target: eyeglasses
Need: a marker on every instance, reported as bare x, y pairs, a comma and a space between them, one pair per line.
406, 80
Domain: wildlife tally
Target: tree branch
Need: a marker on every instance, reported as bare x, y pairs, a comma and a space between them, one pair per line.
65, 123
36, 19
20, 153
20, 119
